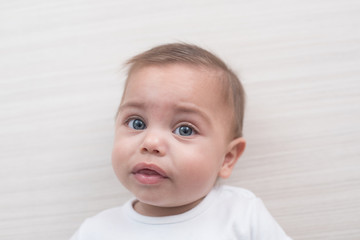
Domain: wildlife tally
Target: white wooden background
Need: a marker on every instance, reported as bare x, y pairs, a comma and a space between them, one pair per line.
61, 82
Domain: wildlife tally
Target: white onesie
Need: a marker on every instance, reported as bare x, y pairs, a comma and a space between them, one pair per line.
225, 213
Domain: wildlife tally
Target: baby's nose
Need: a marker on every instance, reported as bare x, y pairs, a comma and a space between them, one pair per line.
154, 143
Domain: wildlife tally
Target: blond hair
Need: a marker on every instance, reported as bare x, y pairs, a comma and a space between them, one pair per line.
195, 56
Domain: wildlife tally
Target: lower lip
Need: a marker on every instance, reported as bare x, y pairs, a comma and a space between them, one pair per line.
149, 179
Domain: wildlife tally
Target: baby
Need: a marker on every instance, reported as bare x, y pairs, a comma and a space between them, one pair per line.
179, 129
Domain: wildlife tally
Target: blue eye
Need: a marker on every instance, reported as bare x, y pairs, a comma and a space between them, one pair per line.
184, 131
137, 124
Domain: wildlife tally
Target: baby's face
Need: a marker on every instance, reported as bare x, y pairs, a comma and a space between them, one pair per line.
171, 135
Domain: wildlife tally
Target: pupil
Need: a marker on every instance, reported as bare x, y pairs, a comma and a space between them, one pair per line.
138, 124
186, 131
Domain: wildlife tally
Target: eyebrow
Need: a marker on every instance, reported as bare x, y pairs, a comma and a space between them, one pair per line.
193, 109
178, 108
131, 105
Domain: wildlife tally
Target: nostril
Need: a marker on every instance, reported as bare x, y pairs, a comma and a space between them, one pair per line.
147, 150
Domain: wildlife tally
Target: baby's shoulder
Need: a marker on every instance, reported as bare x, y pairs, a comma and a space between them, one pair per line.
109, 213
240, 199
237, 192
104, 218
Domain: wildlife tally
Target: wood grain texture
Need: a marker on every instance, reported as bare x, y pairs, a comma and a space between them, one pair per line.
61, 81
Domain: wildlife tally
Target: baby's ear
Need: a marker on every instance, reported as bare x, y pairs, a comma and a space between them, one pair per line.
235, 149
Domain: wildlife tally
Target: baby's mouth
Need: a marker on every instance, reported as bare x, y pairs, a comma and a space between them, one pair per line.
148, 174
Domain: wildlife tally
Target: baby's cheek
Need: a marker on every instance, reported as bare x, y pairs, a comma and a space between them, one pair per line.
199, 168
117, 154
118, 163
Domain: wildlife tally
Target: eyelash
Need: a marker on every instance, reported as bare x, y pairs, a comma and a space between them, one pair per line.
129, 119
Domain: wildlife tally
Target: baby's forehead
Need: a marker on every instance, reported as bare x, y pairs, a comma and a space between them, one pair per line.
213, 75
210, 83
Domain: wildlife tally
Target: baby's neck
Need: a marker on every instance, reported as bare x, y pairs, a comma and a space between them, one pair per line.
155, 211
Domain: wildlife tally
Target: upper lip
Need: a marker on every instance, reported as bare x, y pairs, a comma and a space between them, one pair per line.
142, 166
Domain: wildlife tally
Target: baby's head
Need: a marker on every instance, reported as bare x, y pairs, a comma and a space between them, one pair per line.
178, 127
